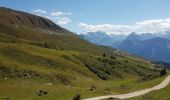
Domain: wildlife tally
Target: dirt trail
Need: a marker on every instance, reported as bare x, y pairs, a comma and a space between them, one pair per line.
163, 84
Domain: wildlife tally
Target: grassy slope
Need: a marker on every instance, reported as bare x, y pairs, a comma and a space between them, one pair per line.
32, 59
67, 72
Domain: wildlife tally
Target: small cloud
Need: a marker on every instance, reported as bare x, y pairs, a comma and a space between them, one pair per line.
59, 13
39, 11
63, 21
59, 20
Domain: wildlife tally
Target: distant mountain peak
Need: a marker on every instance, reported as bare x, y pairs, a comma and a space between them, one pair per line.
133, 36
102, 38
133, 33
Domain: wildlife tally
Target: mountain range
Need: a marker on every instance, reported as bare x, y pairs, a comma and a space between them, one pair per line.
154, 47
101, 38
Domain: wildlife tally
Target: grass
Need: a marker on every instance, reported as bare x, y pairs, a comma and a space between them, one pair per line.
28, 88
66, 73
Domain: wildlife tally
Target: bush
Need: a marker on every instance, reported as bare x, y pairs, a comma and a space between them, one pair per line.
163, 72
92, 88
110, 98
113, 57
98, 71
77, 97
104, 55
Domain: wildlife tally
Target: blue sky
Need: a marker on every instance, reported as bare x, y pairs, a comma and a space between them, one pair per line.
118, 16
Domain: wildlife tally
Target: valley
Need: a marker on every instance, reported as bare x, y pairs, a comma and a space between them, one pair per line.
39, 60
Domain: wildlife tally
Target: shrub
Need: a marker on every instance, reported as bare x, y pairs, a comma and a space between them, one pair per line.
110, 98
92, 87
77, 97
98, 71
163, 72
113, 57
104, 55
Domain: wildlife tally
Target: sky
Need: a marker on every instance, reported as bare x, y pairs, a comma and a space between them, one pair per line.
110, 16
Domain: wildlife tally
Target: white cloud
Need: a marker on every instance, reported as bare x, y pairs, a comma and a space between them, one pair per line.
64, 21
59, 13
147, 26
39, 11
60, 20
54, 16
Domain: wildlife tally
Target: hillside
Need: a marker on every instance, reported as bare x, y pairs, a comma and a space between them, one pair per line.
41, 60
38, 29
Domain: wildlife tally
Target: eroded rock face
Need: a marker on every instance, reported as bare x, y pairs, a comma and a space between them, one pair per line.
42, 92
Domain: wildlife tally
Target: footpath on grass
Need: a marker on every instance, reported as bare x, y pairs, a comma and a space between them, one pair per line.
163, 84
